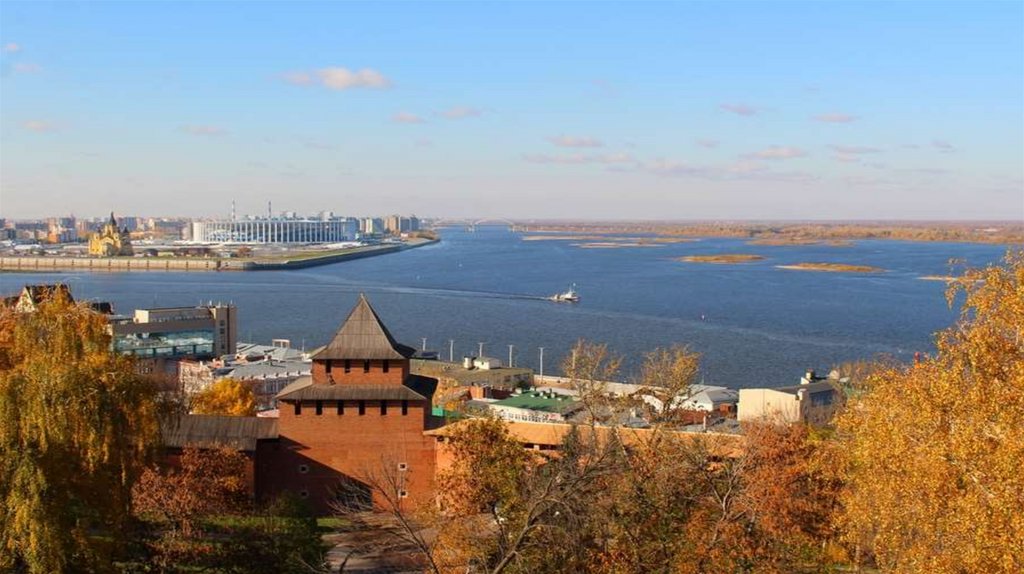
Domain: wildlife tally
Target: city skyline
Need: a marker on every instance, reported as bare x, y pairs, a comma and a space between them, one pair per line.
557, 111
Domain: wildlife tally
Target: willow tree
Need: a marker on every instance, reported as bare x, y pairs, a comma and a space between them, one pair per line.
76, 426
932, 453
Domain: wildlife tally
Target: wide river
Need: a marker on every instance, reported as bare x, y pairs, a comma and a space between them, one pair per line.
755, 324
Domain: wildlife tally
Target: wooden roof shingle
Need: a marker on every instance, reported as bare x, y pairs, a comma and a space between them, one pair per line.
212, 431
363, 336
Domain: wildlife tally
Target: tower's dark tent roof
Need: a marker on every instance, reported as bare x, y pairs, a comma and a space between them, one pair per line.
363, 336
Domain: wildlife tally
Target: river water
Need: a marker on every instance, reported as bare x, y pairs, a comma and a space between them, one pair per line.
755, 324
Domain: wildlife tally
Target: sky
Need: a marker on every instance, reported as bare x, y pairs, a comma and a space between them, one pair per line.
572, 110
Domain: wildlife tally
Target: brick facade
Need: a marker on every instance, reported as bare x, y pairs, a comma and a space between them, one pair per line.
355, 420
316, 452
360, 372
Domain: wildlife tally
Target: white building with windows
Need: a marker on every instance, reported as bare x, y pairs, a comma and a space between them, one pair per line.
323, 229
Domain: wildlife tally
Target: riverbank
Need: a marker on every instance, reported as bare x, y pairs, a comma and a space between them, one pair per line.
300, 260
837, 234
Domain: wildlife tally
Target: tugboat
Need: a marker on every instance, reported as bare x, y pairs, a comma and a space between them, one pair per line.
570, 296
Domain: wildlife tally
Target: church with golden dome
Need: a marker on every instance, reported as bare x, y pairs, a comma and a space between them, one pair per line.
110, 241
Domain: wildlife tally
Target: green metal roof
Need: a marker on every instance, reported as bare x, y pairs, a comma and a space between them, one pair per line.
535, 401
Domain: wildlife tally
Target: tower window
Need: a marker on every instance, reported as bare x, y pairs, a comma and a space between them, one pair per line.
386, 365
341, 407
366, 366
362, 408
383, 407
405, 408
328, 366
319, 408
348, 365
298, 408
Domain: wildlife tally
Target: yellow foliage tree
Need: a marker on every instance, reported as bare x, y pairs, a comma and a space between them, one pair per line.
225, 397
76, 427
932, 453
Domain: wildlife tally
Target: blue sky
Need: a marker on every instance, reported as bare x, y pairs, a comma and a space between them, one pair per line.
687, 110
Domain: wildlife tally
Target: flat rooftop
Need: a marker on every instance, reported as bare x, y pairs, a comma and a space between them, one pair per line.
502, 376
535, 401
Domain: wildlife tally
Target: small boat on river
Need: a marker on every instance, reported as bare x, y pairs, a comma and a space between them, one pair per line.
570, 296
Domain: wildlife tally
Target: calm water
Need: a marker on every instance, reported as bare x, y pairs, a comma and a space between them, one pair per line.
761, 325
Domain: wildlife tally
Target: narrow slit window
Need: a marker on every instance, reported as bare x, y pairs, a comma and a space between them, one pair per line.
341, 407
319, 408
366, 366
348, 365
383, 408
328, 367
298, 408
386, 365
362, 407
405, 408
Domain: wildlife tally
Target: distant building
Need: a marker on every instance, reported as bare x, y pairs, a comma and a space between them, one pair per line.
266, 369
372, 226
276, 230
177, 332
534, 405
110, 241
813, 401
28, 300
398, 224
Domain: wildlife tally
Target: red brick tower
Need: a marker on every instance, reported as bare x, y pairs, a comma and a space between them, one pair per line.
358, 419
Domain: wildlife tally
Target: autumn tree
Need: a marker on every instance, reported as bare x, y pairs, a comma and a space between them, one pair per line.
77, 425
225, 397
932, 453
669, 374
589, 368
200, 482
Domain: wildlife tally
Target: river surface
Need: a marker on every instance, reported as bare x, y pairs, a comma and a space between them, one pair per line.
754, 324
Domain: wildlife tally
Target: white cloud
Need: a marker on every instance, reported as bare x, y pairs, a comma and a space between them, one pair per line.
707, 143
778, 152
39, 126
336, 78
407, 118
575, 141
27, 68
344, 79
460, 112
943, 146
204, 130
836, 118
740, 109
11, 47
